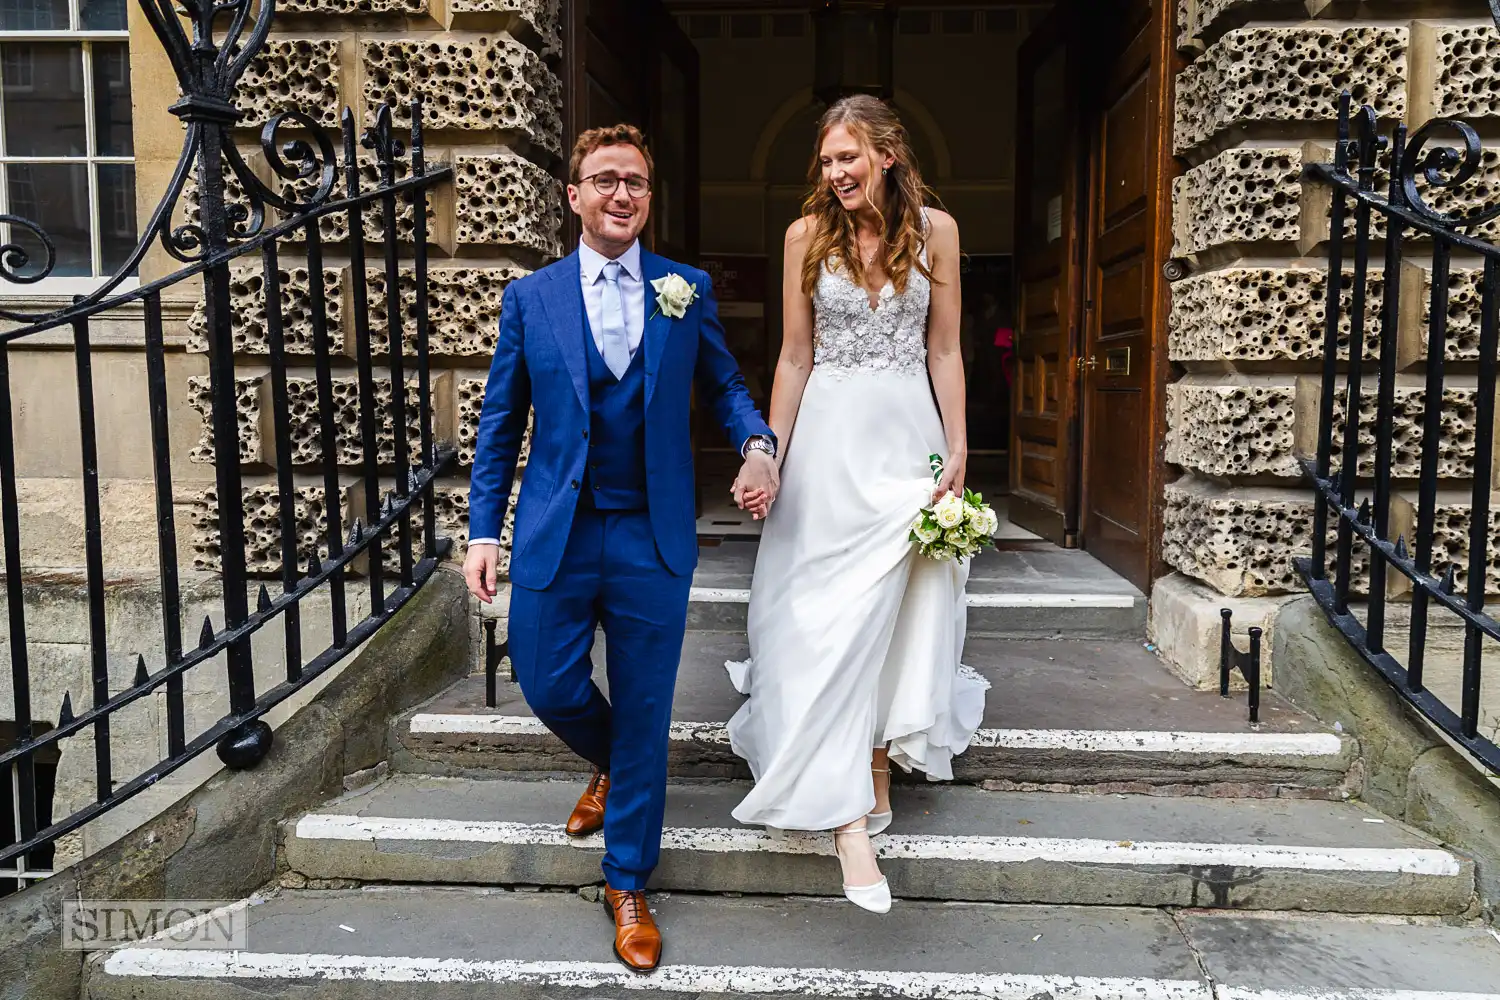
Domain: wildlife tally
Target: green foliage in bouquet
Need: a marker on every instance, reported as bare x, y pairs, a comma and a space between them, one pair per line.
955, 527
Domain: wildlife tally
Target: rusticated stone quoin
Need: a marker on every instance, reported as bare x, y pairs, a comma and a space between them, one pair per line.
1238, 429
1261, 426
474, 84
1290, 74
333, 228
1265, 314
505, 200
463, 308
1455, 71
292, 74
247, 410
1242, 543
1450, 537
248, 314
1240, 196
263, 527
1459, 421
306, 431
349, 8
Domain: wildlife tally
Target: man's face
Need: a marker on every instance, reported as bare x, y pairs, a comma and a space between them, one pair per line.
614, 220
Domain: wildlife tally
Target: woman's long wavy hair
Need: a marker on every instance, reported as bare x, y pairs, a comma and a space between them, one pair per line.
834, 244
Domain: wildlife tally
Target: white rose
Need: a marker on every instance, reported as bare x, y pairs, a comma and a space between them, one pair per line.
949, 512
926, 534
674, 295
991, 522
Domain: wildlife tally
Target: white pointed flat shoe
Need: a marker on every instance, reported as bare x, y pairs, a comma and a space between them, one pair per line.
875, 898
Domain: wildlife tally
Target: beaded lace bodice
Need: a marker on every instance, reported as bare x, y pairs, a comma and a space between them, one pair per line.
849, 336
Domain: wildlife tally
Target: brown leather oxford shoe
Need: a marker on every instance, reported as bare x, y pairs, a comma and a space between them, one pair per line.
637, 938
588, 814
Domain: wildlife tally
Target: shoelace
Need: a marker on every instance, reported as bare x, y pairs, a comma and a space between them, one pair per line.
598, 779
634, 900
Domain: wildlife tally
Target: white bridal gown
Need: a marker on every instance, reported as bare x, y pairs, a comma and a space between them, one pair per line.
855, 639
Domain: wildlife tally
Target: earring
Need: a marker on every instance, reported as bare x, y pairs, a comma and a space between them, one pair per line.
884, 171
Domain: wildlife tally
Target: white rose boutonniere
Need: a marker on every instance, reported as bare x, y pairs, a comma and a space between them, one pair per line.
673, 295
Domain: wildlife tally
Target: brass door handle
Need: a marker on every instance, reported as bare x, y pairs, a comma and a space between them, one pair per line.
1090, 363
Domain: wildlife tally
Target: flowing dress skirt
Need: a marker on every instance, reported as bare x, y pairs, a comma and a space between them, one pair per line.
855, 639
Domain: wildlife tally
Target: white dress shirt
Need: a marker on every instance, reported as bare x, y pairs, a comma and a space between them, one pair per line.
632, 294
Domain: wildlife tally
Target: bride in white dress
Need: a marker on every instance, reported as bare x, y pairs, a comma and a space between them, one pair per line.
855, 639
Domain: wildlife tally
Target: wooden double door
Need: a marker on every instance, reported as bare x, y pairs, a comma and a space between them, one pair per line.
628, 61
1093, 228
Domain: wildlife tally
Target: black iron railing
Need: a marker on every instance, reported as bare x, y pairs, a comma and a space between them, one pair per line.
272, 221
1424, 207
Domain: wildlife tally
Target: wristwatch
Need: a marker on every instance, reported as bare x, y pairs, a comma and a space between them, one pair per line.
759, 442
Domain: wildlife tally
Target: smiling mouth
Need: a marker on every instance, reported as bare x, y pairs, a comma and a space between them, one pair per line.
845, 190
621, 216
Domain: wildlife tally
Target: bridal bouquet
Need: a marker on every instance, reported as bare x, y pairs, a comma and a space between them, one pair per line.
955, 527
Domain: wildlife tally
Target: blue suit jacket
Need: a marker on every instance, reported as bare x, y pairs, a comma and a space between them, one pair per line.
540, 364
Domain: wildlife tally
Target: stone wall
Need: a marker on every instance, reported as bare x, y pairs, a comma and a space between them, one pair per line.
1254, 105
486, 71
1256, 102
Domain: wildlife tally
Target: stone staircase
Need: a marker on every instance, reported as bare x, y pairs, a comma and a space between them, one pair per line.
1111, 834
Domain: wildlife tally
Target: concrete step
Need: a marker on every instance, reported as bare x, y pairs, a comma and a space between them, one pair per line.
946, 842
1101, 715
1020, 591
484, 944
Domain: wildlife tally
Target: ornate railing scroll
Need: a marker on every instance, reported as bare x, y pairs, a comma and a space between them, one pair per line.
273, 223
1423, 210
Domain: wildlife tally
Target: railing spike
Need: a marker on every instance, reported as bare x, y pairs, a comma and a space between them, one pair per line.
1450, 579
387, 504
206, 637
411, 481
65, 714
263, 600
314, 567
1401, 552
1364, 511
141, 676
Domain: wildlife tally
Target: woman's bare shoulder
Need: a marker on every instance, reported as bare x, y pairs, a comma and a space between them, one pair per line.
801, 230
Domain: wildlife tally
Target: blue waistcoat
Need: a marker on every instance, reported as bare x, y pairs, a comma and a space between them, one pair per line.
616, 474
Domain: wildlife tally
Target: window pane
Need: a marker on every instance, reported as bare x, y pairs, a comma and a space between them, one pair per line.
43, 98
56, 197
112, 99
102, 15
34, 15
117, 234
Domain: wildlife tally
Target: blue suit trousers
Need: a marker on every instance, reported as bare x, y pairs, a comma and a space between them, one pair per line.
610, 575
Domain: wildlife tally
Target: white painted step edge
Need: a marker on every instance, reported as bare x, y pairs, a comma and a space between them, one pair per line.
1088, 740
733, 595
707, 979
988, 850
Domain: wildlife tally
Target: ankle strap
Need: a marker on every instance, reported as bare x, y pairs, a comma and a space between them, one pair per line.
881, 770
863, 828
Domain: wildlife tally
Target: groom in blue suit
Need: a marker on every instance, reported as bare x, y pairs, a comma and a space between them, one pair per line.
605, 346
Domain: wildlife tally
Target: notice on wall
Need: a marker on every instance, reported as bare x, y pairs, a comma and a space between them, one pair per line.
1054, 219
739, 283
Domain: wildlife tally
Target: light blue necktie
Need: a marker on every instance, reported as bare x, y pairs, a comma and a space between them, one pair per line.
613, 336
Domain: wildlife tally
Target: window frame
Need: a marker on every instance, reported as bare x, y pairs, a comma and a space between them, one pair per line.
91, 159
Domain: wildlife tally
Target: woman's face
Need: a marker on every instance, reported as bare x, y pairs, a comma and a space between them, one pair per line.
849, 166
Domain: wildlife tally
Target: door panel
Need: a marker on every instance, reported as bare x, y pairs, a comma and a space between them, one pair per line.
628, 61
1125, 296
1043, 468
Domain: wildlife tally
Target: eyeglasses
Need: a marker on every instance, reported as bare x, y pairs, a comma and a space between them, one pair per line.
607, 184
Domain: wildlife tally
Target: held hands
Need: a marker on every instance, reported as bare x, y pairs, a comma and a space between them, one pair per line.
482, 569
755, 487
952, 479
